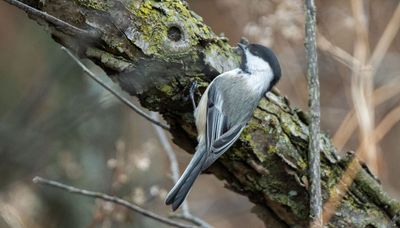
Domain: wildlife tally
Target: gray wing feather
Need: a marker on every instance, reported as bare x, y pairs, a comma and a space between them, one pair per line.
221, 145
216, 120
220, 135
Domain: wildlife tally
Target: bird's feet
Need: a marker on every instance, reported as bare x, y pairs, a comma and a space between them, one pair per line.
193, 88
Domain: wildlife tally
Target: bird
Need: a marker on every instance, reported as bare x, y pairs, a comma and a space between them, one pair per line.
223, 111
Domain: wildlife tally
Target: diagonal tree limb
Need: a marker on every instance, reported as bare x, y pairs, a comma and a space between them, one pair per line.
51, 19
113, 199
154, 49
386, 39
116, 94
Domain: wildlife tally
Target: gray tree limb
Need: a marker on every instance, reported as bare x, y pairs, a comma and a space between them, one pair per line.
154, 49
315, 115
113, 199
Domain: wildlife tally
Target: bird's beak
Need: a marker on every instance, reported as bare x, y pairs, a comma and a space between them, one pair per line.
242, 46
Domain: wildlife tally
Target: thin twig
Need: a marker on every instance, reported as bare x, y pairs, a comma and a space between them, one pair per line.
116, 200
173, 162
388, 122
341, 55
345, 130
361, 45
193, 219
349, 123
73, 30
362, 86
362, 79
174, 167
386, 92
361, 91
386, 39
109, 89
314, 138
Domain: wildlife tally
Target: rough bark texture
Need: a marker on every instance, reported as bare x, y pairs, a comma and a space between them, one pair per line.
154, 49
314, 157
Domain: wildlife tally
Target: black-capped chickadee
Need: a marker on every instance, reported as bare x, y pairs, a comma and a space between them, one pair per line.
224, 110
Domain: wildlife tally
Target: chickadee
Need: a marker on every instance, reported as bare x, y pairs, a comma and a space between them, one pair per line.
224, 110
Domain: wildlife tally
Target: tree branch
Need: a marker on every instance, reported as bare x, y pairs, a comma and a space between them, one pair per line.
155, 49
174, 168
51, 19
113, 199
314, 106
113, 92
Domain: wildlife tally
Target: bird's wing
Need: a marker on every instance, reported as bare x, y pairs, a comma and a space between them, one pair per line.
216, 121
222, 144
219, 135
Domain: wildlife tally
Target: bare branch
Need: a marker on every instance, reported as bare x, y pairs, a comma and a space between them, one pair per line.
349, 123
314, 106
115, 93
192, 219
362, 86
361, 45
52, 20
388, 122
174, 167
386, 39
116, 200
341, 55
173, 162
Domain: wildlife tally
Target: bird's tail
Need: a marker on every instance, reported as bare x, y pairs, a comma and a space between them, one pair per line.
178, 193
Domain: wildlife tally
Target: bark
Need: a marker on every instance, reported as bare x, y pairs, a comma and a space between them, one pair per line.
314, 162
154, 49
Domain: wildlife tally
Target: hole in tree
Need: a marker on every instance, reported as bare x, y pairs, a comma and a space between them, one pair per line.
174, 34
370, 226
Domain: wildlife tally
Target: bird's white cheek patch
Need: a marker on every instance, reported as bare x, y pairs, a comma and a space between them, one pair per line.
255, 63
259, 81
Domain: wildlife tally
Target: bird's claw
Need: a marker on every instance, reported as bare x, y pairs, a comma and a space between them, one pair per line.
193, 88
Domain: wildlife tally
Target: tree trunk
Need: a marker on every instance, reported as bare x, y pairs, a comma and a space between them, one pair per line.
155, 49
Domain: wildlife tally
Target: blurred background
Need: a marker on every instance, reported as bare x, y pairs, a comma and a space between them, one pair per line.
56, 123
